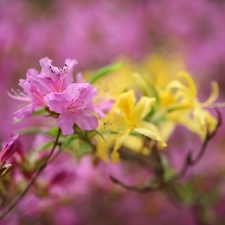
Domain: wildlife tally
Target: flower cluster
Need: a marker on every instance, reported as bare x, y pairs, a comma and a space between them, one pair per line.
53, 88
120, 109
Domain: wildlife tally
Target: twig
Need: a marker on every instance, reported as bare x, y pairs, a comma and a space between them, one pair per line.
31, 181
158, 180
189, 160
137, 189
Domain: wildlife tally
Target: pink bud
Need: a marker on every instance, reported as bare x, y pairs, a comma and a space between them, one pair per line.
12, 145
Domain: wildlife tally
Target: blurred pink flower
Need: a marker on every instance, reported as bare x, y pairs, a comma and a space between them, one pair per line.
12, 145
101, 106
73, 105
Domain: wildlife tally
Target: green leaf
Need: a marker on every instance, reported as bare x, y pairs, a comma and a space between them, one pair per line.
30, 130
53, 132
104, 71
83, 148
17, 121
45, 146
68, 139
100, 134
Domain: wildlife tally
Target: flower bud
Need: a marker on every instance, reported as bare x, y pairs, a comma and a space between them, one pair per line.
12, 145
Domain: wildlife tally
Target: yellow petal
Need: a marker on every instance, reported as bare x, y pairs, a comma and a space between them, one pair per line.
126, 103
141, 84
103, 147
117, 145
134, 143
190, 81
176, 84
149, 130
205, 120
213, 95
143, 107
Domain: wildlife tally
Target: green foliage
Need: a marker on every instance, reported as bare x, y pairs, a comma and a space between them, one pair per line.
104, 71
83, 148
31, 130
45, 146
68, 140
53, 132
39, 112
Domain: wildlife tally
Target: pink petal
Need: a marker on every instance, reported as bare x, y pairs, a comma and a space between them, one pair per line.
55, 102
79, 78
45, 63
66, 122
24, 112
86, 121
72, 91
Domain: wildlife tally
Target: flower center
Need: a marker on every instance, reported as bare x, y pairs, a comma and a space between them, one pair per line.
75, 106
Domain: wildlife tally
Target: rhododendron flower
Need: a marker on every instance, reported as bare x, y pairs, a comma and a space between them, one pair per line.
128, 115
194, 116
73, 107
51, 78
37, 86
31, 95
12, 145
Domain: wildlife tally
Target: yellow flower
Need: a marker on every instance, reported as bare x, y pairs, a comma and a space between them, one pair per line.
128, 115
186, 109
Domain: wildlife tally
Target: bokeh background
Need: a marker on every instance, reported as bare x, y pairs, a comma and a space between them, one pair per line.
95, 33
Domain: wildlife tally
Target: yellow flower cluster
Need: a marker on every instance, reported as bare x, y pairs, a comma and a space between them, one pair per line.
150, 100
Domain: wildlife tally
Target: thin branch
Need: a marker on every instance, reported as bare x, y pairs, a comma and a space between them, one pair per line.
127, 154
189, 160
137, 189
158, 180
31, 181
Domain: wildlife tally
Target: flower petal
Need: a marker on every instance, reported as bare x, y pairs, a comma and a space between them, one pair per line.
86, 120
149, 130
213, 95
66, 122
119, 141
55, 102
190, 81
143, 107
126, 103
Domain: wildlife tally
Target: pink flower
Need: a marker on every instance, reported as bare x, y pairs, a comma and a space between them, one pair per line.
30, 94
12, 145
101, 106
37, 86
73, 105
51, 78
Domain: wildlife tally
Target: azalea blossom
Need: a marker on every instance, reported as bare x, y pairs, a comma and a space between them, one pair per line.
128, 115
51, 78
193, 115
73, 107
38, 85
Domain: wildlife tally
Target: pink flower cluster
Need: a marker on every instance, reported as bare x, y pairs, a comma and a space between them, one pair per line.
53, 88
